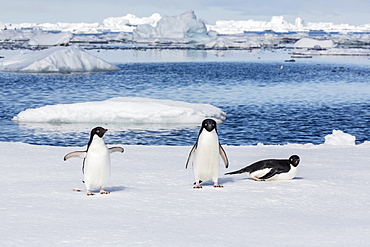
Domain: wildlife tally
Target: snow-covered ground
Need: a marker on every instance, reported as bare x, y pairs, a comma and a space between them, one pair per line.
152, 202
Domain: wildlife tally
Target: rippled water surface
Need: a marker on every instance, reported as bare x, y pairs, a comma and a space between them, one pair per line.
300, 102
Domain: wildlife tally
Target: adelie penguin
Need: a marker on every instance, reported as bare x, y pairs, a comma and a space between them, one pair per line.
206, 154
271, 169
96, 161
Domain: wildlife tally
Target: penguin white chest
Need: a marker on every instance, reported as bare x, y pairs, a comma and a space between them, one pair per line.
287, 175
207, 157
97, 164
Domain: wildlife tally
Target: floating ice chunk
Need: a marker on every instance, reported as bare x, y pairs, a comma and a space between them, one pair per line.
336, 52
56, 59
129, 110
338, 137
51, 39
313, 43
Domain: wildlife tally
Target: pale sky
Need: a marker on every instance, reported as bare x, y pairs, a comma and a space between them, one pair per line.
354, 12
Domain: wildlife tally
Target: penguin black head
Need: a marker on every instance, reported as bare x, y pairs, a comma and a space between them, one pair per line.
100, 131
209, 124
294, 160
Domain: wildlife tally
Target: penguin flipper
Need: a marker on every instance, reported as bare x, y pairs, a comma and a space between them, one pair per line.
190, 154
224, 156
270, 174
116, 149
75, 154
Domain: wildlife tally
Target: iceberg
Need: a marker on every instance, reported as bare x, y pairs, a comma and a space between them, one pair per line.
314, 43
129, 22
56, 60
51, 39
338, 137
123, 110
277, 24
184, 26
186, 31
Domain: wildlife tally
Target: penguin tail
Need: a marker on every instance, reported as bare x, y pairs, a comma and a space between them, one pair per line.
238, 171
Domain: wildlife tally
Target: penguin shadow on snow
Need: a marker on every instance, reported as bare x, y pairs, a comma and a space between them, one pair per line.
245, 178
227, 180
222, 181
111, 189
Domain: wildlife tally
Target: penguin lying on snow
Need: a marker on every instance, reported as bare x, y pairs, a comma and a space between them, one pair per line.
206, 154
96, 163
271, 169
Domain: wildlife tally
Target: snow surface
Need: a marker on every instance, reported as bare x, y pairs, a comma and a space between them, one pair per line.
127, 110
152, 202
56, 59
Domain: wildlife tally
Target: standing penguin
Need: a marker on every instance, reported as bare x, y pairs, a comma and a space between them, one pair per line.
272, 169
207, 151
96, 163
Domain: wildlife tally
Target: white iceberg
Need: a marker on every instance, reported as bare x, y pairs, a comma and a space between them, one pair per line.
277, 24
314, 43
181, 26
57, 59
338, 137
129, 22
335, 52
126, 110
51, 39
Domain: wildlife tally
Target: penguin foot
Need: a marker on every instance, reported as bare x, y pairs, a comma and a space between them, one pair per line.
218, 186
197, 186
257, 179
90, 194
104, 192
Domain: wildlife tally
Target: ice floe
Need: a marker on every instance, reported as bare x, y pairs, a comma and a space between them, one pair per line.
123, 110
56, 60
338, 137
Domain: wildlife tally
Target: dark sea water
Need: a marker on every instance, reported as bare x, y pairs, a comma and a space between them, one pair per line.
300, 102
